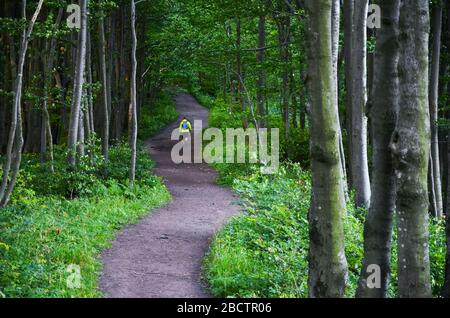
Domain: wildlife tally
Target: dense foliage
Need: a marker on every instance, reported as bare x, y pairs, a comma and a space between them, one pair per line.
264, 252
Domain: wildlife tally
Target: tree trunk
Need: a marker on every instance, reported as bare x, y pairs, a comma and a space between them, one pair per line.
348, 30
434, 95
15, 139
335, 29
327, 262
378, 225
78, 86
359, 163
284, 26
104, 80
133, 113
261, 82
90, 96
446, 287
47, 137
411, 148
239, 74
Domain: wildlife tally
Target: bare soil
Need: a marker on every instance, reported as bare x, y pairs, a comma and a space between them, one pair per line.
162, 255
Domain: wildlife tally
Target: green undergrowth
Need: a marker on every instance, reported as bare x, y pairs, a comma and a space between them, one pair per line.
45, 234
264, 251
157, 116
59, 222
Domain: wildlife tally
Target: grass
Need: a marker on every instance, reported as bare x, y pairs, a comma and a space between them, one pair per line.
40, 239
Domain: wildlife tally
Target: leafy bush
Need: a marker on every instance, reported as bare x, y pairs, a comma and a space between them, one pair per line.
157, 116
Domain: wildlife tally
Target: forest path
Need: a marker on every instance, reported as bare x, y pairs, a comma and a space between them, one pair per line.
161, 256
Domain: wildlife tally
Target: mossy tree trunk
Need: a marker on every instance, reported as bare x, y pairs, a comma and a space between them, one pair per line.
411, 148
327, 262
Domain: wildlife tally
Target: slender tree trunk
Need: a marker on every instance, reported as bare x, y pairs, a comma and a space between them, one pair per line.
239, 74
434, 95
335, 28
15, 139
81, 139
284, 26
261, 82
90, 82
109, 68
327, 262
348, 30
359, 163
378, 225
78, 86
132, 112
411, 148
104, 80
446, 287
47, 138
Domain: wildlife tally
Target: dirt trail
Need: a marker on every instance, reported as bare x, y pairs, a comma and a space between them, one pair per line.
161, 256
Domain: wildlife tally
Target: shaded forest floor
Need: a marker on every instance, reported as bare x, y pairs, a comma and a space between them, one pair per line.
162, 255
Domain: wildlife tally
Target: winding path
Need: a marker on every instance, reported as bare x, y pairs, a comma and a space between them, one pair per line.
161, 256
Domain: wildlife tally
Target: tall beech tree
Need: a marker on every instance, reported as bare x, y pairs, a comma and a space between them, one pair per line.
105, 94
261, 81
78, 85
378, 224
133, 103
435, 169
46, 129
411, 149
327, 262
358, 72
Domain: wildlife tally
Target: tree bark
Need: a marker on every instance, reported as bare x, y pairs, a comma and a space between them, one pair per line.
327, 262
335, 29
378, 225
446, 287
47, 137
104, 80
284, 26
411, 148
261, 82
239, 72
90, 82
133, 112
434, 95
348, 30
78, 86
359, 163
